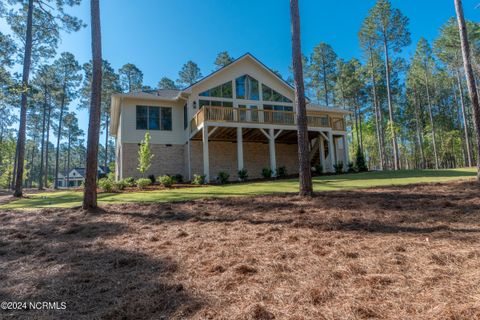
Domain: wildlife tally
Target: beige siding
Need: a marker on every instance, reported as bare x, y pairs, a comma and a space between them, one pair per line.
128, 118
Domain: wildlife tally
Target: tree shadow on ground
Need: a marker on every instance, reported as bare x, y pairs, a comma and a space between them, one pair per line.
74, 262
417, 209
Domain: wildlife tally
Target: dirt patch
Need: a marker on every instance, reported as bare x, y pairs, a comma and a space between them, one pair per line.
409, 252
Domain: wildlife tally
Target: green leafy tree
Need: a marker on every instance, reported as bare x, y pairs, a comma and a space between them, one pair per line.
360, 163
223, 58
189, 74
69, 76
167, 83
145, 155
388, 28
37, 25
322, 72
131, 78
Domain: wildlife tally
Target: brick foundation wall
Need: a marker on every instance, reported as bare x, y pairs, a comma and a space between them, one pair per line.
223, 157
166, 160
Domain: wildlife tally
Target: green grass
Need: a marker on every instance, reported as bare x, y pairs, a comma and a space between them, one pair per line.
66, 199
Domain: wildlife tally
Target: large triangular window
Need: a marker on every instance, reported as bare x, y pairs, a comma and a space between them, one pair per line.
247, 88
221, 91
271, 95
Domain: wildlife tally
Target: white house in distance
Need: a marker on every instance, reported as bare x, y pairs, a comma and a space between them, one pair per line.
239, 117
76, 177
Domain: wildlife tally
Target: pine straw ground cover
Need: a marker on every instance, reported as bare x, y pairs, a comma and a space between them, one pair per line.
405, 252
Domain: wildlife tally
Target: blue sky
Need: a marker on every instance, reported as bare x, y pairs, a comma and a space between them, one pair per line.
160, 35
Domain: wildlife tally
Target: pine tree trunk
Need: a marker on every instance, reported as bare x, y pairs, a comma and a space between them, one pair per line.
378, 117
59, 136
90, 192
419, 130
472, 89
430, 114
305, 175
47, 143
464, 116
396, 161
68, 159
27, 60
42, 147
325, 85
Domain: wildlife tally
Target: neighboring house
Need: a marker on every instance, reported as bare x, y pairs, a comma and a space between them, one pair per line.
239, 117
76, 176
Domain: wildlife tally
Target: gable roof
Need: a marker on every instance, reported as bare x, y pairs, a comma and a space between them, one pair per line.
247, 55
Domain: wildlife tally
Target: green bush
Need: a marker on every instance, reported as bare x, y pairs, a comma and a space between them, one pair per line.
282, 172
223, 177
351, 167
198, 179
243, 174
267, 173
338, 167
178, 178
166, 181
105, 184
119, 185
152, 178
129, 182
318, 169
142, 183
360, 164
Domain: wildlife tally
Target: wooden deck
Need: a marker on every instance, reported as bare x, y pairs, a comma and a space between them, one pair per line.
284, 118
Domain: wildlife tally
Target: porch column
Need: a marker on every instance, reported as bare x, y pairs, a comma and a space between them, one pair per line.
321, 149
206, 166
345, 152
331, 152
239, 148
271, 146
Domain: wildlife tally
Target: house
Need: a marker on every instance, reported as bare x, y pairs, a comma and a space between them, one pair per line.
239, 117
76, 177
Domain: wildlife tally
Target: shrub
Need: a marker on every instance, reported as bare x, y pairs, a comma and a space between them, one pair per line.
119, 185
223, 177
267, 173
152, 178
178, 178
166, 181
338, 167
129, 182
198, 179
360, 161
106, 185
282, 172
318, 169
142, 183
243, 174
351, 167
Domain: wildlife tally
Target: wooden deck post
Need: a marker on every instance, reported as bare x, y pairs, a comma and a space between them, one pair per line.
240, 148
271, 147
206, 166
346, 157
321, 150
331, 152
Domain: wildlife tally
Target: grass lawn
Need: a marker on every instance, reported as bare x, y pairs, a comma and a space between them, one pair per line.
66, 199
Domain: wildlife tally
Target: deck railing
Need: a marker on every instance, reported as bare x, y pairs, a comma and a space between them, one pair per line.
243, 115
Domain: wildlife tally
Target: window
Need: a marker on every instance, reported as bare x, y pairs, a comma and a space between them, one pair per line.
248, 113
166, 118
216, 103
247, 88
154, 118
221, 91
271, 95
185, 116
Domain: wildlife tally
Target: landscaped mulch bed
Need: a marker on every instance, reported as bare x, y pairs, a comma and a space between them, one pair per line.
408, 252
